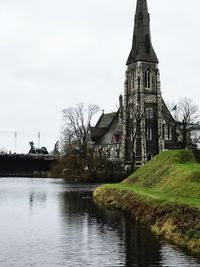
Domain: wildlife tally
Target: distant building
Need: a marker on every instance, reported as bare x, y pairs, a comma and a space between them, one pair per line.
143, 125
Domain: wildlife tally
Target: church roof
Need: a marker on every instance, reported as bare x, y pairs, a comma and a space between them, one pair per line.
106, 119
103, 125
97, 131
142, 48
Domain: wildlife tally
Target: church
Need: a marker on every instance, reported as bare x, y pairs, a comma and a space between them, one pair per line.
143, 126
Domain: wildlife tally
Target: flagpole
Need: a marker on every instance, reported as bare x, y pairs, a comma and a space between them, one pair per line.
38, 139
15, 142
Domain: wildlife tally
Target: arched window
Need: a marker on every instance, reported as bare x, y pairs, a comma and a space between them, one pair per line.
116, 152
149, 113
169, 132
138, 80
147, 78
149, 133
133, 80
163, 131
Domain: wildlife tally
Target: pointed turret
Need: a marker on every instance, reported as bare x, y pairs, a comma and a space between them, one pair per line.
142, 49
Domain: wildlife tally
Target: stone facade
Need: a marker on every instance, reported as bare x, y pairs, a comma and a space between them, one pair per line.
107, 136
143, 126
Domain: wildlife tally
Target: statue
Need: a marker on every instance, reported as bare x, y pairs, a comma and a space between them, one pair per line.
43, 150
32, 150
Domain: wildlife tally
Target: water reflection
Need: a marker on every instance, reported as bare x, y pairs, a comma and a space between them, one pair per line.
38, 198
107, 233
112, 235
173, 257
62, 226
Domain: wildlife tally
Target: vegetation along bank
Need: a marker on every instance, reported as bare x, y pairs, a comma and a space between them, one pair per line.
164, 195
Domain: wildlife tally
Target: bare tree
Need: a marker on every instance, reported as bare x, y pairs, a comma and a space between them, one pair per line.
74, 135
65, 141
132, 122
186, 115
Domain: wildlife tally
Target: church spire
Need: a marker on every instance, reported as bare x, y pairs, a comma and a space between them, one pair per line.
142, 49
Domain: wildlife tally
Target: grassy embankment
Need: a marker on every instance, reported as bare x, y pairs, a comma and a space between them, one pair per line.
164, 195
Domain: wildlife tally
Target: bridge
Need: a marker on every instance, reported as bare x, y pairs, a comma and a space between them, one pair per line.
26, 165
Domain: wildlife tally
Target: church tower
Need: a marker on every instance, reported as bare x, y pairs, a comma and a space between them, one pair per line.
142, 102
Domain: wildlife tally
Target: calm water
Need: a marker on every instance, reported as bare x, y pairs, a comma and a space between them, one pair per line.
47, 223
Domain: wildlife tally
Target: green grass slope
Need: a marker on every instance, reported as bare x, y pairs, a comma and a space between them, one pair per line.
171, 172
164, 195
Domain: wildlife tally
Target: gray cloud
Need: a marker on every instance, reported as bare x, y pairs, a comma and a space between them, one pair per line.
56, 53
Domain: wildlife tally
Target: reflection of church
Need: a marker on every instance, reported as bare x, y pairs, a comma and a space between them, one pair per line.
143, 123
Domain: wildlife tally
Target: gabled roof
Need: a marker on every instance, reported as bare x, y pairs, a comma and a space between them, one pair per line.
106, 120
166, 111
103, 125
97, 131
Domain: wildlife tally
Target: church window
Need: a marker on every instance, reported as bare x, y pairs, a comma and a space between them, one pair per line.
147, 78
149, 113
169, 132
163, 131
116, 138
116, 152
133, 80
138, 82
149, 133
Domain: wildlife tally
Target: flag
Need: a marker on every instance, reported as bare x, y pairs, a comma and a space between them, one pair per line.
174, 108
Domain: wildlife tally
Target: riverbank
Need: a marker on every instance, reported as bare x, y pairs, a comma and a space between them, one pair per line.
164, 195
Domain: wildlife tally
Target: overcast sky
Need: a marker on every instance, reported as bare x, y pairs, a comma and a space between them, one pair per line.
57, 53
